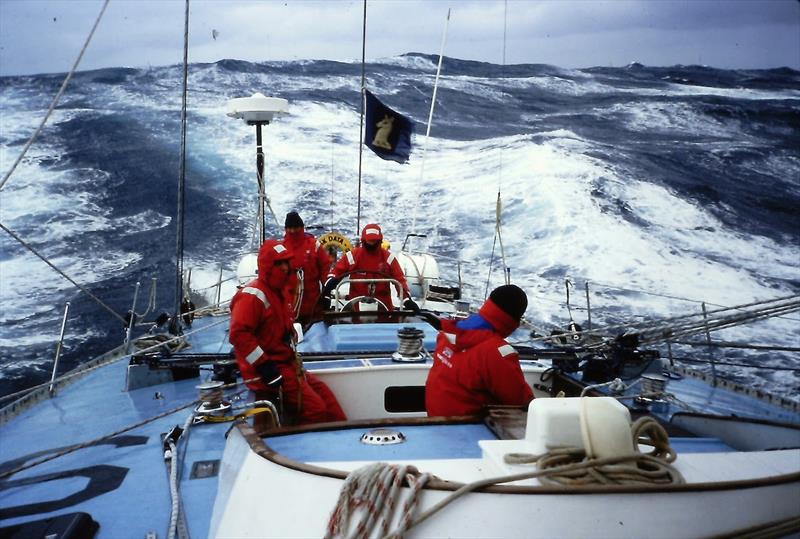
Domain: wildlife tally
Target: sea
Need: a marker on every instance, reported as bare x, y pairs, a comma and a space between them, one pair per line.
654, 190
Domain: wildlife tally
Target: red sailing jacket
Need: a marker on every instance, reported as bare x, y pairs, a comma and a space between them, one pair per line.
313, 259
473, 368
378, 264
261, 320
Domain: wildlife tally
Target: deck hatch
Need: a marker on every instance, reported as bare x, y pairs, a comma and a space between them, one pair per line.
202, 469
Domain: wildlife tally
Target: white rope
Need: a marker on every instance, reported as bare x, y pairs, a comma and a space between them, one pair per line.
73, 448
173, 490
371, 494
176, 464
653, 468
99, 439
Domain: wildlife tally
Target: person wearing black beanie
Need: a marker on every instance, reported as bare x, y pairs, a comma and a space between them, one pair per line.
293, 220
311, 257
473, 365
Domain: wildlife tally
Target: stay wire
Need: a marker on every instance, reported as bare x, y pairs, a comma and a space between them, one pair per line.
656, 294
423, 153
179, 241
56, 98
499, 184
735, 364
64, 275
361, 125
660, 323
82, 371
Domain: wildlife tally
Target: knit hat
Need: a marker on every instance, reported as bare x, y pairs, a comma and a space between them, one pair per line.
504, 308
293, 219
511, 299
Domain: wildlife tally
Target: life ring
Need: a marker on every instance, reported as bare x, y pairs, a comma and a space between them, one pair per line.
333, 242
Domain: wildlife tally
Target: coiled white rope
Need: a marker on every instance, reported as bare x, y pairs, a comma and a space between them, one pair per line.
635, 468
652, 468
373, 491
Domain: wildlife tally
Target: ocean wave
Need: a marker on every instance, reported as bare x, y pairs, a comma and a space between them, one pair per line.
677, 181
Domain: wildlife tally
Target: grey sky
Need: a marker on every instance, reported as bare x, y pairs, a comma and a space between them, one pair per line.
40, 36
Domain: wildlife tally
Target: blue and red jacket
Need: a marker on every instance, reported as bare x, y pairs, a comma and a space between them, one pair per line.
474, 366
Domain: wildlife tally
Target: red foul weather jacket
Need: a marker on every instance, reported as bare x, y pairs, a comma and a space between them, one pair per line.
261, 328
313, 259
378, 264
473, 368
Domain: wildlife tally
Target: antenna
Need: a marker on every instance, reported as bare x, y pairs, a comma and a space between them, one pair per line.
259, 110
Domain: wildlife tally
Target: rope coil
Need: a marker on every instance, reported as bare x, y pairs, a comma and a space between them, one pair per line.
372, 492
410, 342
636, 468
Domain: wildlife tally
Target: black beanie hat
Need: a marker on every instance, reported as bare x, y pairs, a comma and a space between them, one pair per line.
511, 299
293, 219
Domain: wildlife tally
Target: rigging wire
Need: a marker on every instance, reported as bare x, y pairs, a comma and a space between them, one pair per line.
430, 121
80, 371
333, 146
361, 127
739, 345
182, 173
660, 327
56, 98
64, 275
498, 206
732, 364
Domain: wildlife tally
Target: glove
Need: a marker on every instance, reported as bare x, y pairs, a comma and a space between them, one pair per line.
410, 305
432, 319
324, 303
269, 373
330, 284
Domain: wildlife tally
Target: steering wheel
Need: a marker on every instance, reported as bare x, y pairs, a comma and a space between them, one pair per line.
350, 304
366, 300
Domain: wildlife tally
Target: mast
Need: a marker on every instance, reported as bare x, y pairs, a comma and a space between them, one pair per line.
181, 180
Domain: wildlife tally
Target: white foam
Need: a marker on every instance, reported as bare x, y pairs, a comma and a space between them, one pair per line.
669, 117
554, 223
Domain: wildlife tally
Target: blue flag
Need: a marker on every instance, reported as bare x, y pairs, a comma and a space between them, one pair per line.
387, 133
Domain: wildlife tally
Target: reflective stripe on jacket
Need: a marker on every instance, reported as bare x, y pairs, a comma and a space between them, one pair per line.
471, 369
364, 264
261, 329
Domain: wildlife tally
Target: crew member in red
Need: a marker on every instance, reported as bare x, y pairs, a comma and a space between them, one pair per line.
371, 261
263, 340
473, 365
311, 257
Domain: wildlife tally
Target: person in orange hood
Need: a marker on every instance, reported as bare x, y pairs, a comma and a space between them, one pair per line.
263, 337
371, 261
311, 257
473, 365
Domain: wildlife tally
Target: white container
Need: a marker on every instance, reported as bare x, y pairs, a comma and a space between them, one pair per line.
420, 270
600, 425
